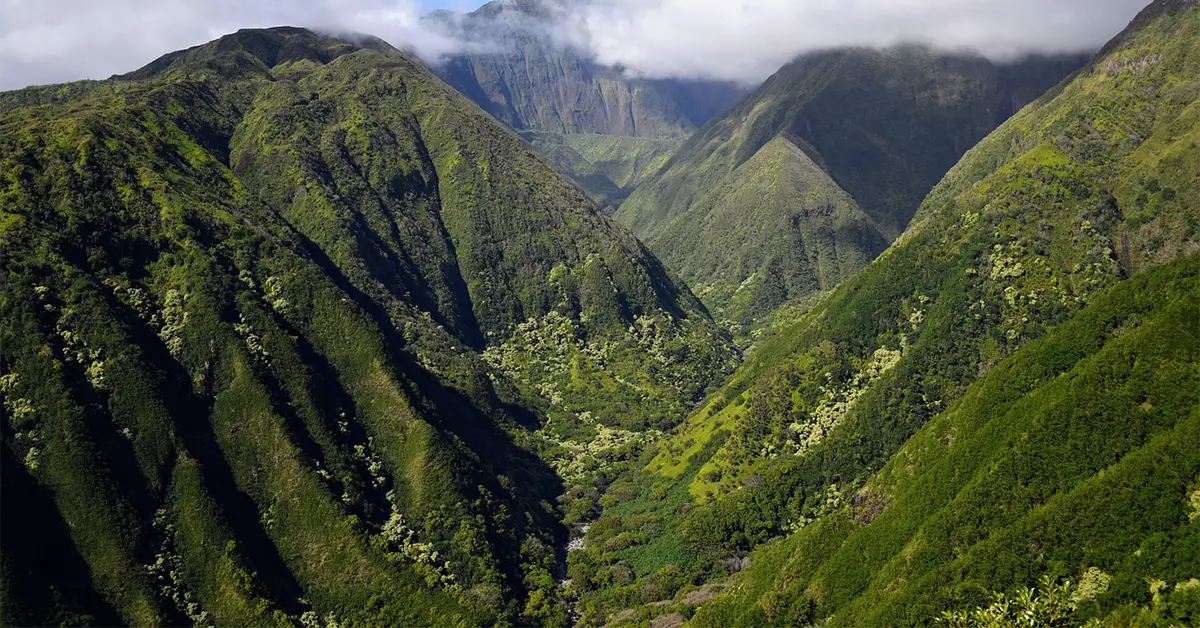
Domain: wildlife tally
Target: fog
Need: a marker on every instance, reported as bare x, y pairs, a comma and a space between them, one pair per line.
49, 41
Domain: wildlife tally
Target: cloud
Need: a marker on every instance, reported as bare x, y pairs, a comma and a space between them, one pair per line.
47, 41
747, 40
51, 41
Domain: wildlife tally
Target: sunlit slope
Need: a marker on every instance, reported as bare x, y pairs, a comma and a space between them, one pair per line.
273, 344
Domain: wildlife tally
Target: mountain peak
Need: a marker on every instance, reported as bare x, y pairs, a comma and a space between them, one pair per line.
534, 8
361, 275
261, 49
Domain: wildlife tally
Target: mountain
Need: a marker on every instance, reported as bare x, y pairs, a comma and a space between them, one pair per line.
607, 167
529, 80
809, 178
523, 74
291, 332
1004, 401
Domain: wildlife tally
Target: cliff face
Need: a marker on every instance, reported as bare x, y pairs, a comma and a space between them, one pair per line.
569, 104
530, 81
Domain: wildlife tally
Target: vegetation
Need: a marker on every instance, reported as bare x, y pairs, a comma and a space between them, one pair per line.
271, 321
607, 167
1056, 604
605, 130
804, 182
627, 161
963, 347
1055, 462
293, 334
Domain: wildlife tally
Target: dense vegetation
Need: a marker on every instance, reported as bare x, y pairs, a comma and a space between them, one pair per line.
602, 128
291, 333
1009, 391
804, 182
1078, 453
607, 167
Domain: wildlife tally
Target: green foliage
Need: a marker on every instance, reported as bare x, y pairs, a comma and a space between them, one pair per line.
595, 181
625, 160
292, 334
1050, 604
607, 167
247, 292
1002, 361
804, 182
1054, 462
1058, 604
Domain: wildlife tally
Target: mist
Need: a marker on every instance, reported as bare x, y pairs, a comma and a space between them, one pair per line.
50, 41
747, 41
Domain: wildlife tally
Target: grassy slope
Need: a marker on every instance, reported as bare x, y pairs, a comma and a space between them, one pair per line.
607, 167
1077, 452
778, 229
246, 294
1015, 244
1095, 182
886, 151
597, 183
625, 160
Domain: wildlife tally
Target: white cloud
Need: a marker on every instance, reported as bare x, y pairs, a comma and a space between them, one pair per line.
46, 41
750, 39
50, 41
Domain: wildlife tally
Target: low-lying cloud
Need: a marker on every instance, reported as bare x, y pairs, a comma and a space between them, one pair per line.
48, 41
51, 41
750, 39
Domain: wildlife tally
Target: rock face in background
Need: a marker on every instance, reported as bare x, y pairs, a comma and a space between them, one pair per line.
571, 105
280, 321
802, 183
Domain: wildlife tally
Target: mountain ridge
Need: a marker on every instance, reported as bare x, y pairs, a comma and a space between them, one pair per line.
279, 322
882, 126
1016, 362
293, 333
535, 84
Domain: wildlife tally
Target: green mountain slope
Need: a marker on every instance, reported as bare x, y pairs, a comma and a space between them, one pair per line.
778, 229
625, 160
607, 167
884, 126
529, 81
279, 319
1081, 452
1091, 185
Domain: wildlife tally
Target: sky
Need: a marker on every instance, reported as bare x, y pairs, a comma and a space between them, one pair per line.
51, 41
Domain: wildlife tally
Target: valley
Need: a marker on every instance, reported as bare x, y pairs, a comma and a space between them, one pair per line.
604, 130
304, 329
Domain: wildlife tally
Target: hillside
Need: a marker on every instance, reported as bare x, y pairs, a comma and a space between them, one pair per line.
607, 167
291, 332
530, 81
802, 183
1007, 393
